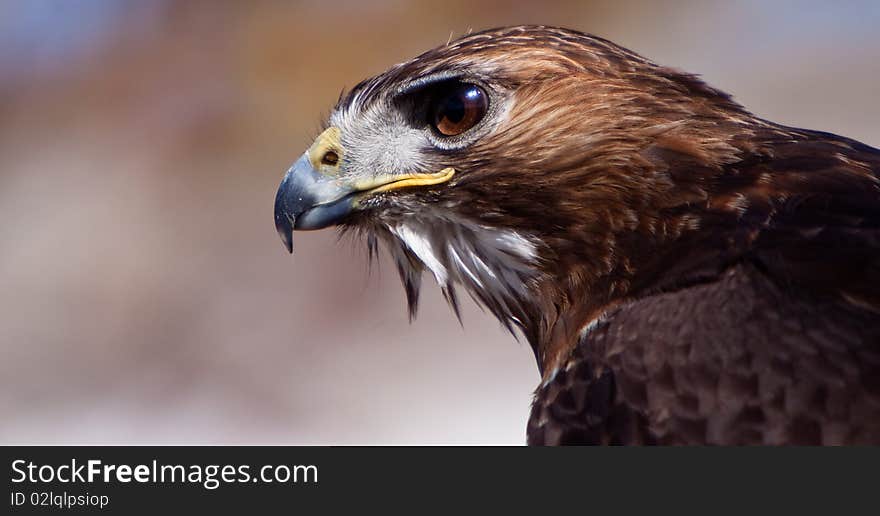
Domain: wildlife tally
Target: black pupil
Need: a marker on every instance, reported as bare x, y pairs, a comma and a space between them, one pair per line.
453, 107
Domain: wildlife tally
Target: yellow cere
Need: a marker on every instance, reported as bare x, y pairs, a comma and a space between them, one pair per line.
328, 141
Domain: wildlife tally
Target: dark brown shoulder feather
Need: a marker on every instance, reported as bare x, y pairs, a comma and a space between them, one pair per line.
802, 205
736, 361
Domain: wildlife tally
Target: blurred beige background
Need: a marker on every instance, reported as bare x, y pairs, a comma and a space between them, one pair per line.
145, 295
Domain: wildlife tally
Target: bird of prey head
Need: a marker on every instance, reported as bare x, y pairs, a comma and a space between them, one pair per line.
556, 176
510, 162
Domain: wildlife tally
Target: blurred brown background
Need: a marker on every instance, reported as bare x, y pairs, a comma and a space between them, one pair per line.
145, 295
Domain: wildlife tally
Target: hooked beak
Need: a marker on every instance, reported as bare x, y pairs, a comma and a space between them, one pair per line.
313, 195
308, 199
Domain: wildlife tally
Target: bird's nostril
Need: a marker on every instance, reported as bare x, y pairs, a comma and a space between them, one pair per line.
330, 158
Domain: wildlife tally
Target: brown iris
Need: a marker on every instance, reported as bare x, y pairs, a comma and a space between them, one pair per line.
459, 108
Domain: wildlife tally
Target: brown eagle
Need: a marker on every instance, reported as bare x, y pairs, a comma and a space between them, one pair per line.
684, 271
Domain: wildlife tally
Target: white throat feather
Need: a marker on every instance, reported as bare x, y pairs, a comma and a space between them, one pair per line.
495, 266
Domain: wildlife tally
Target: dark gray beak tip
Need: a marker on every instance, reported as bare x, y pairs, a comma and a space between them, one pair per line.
285, 231
283, 222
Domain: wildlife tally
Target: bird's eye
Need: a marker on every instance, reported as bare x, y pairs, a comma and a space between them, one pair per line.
459, 108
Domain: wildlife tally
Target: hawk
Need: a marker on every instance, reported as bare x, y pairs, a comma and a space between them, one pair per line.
684, 271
